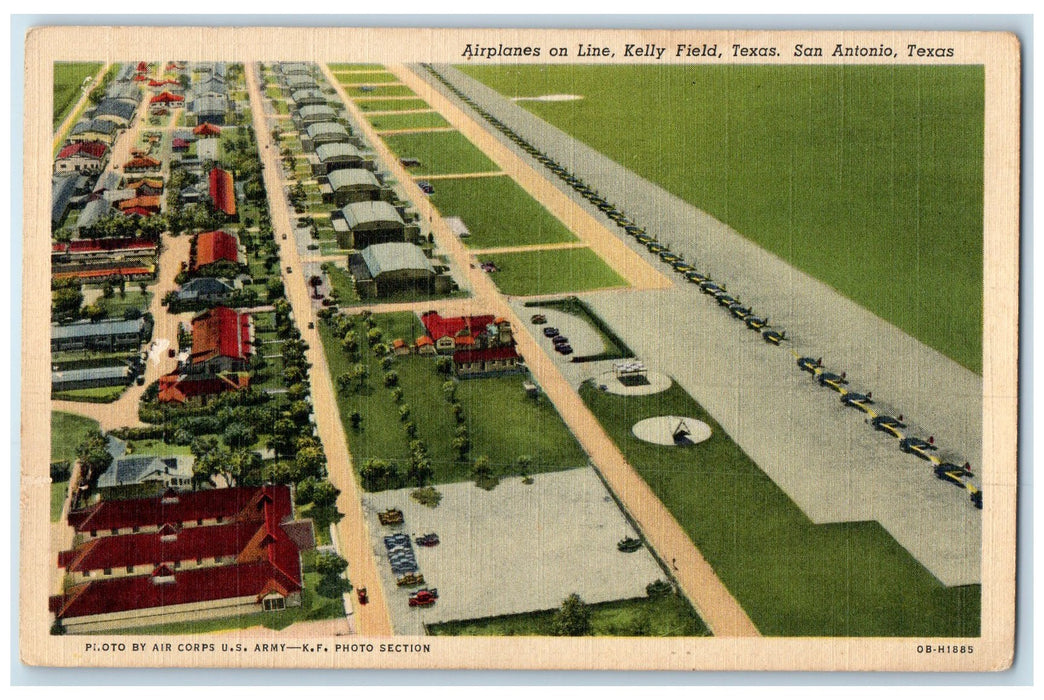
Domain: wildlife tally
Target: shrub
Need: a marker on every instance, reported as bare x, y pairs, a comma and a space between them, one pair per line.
658, 589
427, 496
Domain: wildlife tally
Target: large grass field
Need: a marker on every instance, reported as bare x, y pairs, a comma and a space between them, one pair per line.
517, 426
440, 153
67, 80
68, 431
498, 212
367, 77
792, 577
668, 616
869, 178
392, 105
409, 120
551, 271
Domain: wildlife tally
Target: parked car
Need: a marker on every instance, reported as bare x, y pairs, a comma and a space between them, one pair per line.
363, 597
550, 332
564, 349
426, 187
428, 540
424, 597
538, 319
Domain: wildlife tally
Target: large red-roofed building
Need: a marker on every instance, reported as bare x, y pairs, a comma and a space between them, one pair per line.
222, 191
185, 556
206, 130
213, 247
166, 99
81, 157
453, 333
222, 343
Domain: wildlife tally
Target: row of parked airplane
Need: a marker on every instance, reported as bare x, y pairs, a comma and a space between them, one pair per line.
945, 465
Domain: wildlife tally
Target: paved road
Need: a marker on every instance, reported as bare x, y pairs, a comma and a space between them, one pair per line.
846, 472
371, 619
717, 607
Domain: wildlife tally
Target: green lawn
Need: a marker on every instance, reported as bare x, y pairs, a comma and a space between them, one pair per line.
98, 394
335, 67
59, 491
498, 212
375, 76
380, 91
418, 120
116, 304
341, 281
551, 271
869, 178
518, 426
68, 431
67, 80
667, 616
156, 447
391, 105
792, 577
440, 153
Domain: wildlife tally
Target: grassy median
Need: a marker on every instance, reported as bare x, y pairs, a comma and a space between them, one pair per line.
551, 272
498, 212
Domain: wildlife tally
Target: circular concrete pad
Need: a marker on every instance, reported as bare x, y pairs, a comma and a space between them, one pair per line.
660, 430
657, 382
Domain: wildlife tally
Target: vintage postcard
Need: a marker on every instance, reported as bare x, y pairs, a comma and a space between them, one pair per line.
519, 349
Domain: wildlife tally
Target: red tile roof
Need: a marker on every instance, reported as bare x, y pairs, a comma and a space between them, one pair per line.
139, 211
215, 246
222, 192
141, 163
207, 129
148, 203
220, 332
424, 340
267, 557
177, 508
438, 326
165, 98
92, 245
179, 144
107, 272
174, 543
143, 66
92, 149
506, 352
256, 579
178, 388
155, 183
